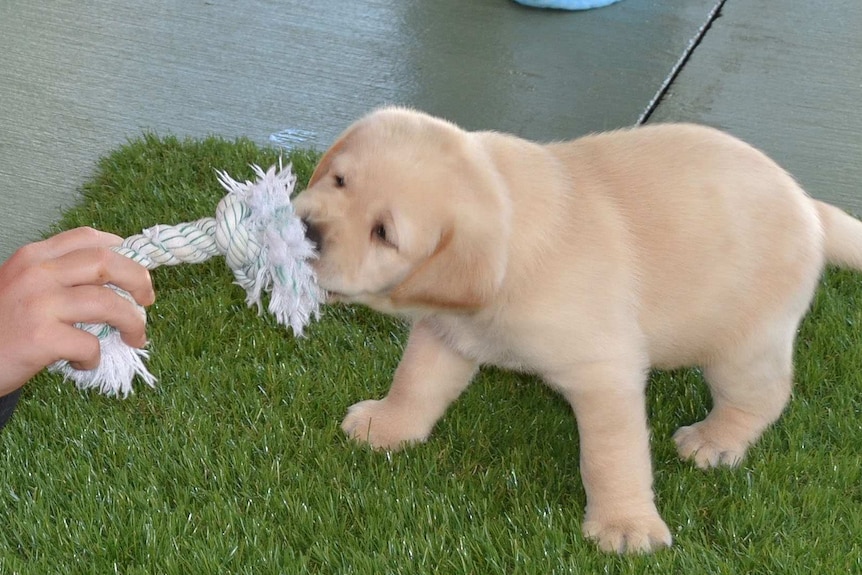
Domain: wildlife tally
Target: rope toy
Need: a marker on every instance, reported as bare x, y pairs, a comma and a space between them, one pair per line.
264, 244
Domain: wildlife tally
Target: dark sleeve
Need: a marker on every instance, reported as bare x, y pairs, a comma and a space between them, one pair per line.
7, 406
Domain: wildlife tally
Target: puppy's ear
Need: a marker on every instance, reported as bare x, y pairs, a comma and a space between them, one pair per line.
326, 161
463, 273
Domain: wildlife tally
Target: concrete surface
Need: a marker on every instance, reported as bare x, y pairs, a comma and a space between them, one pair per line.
790, 82
79, 77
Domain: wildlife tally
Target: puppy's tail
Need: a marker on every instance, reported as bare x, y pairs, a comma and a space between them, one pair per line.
843, 236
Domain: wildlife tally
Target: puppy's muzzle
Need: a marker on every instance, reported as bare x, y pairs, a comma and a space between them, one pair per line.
312, 234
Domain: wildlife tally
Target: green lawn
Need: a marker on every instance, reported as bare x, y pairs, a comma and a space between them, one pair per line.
236, 464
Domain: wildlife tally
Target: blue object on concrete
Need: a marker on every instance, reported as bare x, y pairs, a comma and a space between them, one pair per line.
291, 138
567, 4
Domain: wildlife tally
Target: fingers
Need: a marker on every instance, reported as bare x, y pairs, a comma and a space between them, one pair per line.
99, 266
76, 239
84, 265
68, 241
81, 349
100, 304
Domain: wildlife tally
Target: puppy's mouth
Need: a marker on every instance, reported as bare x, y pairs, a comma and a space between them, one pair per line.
333, 290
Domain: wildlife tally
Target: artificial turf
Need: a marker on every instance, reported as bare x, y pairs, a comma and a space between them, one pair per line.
235, 462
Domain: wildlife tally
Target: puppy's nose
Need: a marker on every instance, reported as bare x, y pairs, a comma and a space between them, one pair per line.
312, 234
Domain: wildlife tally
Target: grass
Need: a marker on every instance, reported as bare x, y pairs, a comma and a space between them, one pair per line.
235, 463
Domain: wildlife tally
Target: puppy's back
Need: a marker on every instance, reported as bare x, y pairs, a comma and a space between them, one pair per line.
718, 231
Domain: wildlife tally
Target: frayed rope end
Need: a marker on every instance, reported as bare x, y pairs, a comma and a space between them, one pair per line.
119, 364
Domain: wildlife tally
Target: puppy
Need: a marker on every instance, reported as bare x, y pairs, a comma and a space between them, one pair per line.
586, 262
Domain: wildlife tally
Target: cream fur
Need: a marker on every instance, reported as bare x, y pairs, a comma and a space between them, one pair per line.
586, 262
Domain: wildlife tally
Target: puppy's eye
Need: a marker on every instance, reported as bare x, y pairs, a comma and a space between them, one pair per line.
339, 181
380, 233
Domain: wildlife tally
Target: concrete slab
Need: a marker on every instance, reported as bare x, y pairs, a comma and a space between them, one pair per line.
788, 80
79, 77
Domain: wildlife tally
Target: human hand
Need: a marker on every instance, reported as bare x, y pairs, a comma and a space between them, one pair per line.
46, 287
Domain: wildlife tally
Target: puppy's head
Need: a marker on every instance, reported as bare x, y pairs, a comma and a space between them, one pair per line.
408, 213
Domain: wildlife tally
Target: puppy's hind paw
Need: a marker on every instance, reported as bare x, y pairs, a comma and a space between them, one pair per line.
696, 443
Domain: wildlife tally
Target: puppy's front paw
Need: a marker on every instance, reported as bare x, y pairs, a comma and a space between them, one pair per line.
635, 534
382, 425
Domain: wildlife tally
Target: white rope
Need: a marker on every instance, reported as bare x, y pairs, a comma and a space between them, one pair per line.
264, 244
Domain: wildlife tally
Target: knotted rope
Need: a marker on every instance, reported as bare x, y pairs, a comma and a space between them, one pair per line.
264, 244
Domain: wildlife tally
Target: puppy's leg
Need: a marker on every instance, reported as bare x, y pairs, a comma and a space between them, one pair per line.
750, 389
610, 407
430, 376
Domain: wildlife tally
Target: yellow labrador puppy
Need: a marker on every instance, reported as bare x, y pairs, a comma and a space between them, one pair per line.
586, 262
